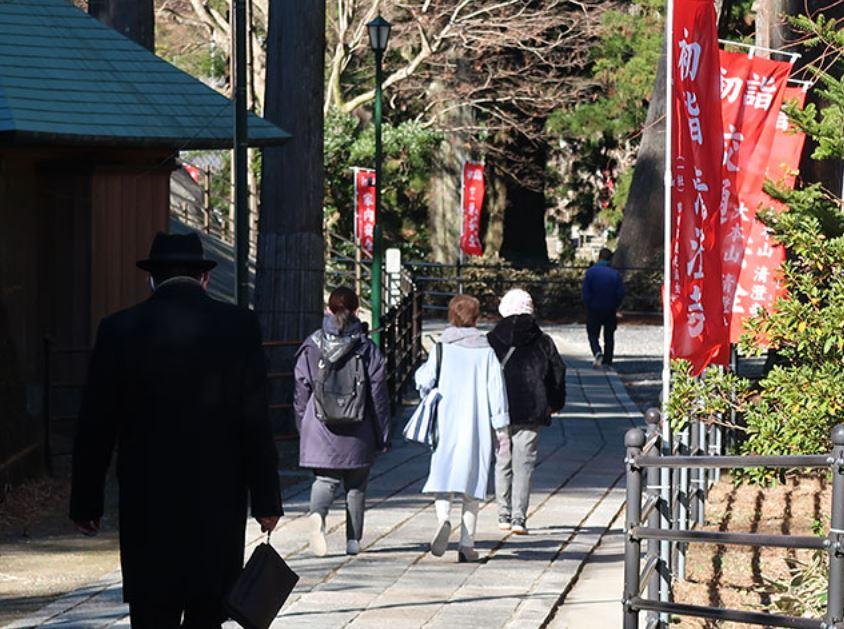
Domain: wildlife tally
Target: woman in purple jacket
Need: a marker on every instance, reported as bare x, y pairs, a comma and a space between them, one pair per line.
340, 452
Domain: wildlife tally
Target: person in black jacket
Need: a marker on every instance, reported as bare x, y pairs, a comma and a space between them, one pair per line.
535, 376
178, 385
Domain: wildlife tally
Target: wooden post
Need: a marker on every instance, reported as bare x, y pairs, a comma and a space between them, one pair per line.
206, 198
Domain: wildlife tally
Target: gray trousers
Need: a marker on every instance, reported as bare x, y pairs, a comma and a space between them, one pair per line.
324, 491
513, 471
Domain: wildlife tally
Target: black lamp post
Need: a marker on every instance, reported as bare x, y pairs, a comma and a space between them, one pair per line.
240, 157
379, 35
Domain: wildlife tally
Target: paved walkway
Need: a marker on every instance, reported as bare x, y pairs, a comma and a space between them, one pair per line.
395, 582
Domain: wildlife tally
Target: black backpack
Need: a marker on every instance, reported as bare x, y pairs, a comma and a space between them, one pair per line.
340, 390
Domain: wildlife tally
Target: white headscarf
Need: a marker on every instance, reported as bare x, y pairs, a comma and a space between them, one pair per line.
515, 302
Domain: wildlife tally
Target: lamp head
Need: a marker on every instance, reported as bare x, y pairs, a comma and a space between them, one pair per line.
379, 33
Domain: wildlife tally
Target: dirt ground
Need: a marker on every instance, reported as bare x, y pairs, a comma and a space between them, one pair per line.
739, 577
41, 554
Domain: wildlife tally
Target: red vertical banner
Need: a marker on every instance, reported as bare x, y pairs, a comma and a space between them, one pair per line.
192, 170
365, 208
759, 284
699, 331
788, 143
752, 90
473, 199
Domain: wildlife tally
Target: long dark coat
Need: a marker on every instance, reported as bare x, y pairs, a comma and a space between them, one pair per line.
341, 447
535, 374
178, 383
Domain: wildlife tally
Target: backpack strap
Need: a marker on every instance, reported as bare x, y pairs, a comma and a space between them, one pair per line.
507, 357
438, 348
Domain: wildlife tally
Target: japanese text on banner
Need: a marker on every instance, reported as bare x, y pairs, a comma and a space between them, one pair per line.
365, 208
473, 199
751, 98
759, 281
699, 331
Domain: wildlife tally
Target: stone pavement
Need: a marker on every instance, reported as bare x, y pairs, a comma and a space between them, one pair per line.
523, 582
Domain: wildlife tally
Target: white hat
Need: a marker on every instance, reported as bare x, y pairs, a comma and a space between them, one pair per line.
515, 302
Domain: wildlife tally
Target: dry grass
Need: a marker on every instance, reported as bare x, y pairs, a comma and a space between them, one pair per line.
740, 577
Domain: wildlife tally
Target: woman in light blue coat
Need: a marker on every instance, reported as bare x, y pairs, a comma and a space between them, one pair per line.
473, 404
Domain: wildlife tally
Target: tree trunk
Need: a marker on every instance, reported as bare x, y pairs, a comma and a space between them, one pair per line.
289, 283
445, 214
640, 238
523, 241
495, 204
134, 19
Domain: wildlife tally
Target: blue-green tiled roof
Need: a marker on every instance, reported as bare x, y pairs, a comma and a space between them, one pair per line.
65, 77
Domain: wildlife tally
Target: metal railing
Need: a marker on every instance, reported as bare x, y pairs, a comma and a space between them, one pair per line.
401, 343
556, 288
645, 522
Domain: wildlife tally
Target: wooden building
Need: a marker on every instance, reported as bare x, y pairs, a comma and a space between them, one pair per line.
91, 125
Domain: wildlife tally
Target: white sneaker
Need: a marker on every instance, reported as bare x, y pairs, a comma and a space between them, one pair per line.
318, 545
352, 547
519, 527
440, 541
599, 360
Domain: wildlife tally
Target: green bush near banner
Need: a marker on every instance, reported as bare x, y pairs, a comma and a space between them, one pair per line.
801, 397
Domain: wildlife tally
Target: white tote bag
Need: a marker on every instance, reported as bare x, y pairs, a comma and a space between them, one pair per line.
422, 425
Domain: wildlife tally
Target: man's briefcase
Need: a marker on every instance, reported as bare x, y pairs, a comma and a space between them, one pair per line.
261, 589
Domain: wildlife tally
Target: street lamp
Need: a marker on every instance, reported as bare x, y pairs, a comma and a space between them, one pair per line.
379, 35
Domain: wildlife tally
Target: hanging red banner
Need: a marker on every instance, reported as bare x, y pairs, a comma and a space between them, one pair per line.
699, 331
473, 199
192, 170
365, 208
752, 90
759, 284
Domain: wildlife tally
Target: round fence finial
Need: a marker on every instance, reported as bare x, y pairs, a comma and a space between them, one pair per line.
838, 435
653, 415
634, 438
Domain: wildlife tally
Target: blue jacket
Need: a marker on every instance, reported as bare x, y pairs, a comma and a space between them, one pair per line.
602, 287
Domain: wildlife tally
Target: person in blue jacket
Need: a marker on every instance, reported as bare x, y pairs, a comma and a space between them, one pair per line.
603, 292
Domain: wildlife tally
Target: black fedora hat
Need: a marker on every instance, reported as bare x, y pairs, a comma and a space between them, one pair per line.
176, 250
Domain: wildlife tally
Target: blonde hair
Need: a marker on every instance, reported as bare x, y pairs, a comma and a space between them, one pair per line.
463, 311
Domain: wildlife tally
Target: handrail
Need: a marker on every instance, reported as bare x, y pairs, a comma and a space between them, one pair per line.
724, 461
715, 613
800, 542
658, 530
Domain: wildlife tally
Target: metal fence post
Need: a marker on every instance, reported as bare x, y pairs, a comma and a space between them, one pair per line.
703, 474
694, 490
683, 504
835, 594
666, 520
634, 439
653, 417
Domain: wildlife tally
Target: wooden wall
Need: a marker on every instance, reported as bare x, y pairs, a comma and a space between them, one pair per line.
20, 322
73, 222
127, 209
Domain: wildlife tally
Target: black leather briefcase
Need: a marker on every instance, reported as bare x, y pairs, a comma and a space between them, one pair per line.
261, 589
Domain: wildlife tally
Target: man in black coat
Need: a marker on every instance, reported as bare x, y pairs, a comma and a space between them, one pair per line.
178, 384
535, 377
